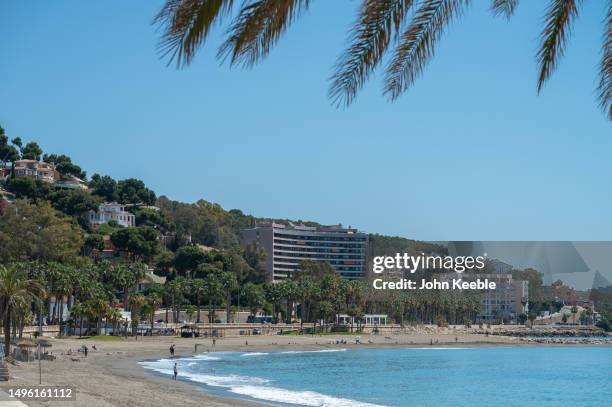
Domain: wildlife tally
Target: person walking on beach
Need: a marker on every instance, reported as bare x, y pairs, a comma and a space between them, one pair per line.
85, 350
172, 350
214, 342
175, 372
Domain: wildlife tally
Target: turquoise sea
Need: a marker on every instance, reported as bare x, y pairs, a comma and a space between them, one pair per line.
429, 376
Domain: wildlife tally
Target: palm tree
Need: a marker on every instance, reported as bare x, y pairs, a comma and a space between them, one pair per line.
76, 312
306, 290
127, 277
137, 301
99, 309
198, 288
273, 295
411, 28
229, 283
254, 295
114, 316
174, 292
63, 288
154, 301
213, 291
16, 289
289, 292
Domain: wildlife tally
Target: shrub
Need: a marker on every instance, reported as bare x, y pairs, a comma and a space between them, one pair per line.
604, 324
441, 321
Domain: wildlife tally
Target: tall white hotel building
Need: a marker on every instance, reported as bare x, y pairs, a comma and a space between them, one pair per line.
345, 249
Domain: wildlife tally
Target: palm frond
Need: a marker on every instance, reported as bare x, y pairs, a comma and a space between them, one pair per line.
558, 23
605, 70
378, 22
504, 7
417, 43
185, 25
257, 28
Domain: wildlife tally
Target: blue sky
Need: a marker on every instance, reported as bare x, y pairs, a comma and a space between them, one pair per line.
471, 152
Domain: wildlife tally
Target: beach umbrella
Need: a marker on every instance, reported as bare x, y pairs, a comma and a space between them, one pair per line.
26, 343
44, 343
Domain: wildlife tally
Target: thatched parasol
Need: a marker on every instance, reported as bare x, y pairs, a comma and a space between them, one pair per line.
26, 343
44, 343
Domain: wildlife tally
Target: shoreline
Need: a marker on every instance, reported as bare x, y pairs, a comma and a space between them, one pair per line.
112, 375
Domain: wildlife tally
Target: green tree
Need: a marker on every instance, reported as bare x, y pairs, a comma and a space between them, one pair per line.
255, 257
65, 166
136, 302
97, 309
189, 311
153, 301
134, 191
289, 292
254, 296
93, 241
31, 151
105, 187
152, 218
37, 232
307, 292
8, 153
214, 291
75, 203
140, 242
274, 295
408, 30
76, 313
229, 283
164, 260
531, 315
198, 289
174, 290
126, 277
187, 259
30, 188
16, 290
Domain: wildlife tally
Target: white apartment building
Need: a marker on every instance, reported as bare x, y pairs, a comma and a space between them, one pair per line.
112, 211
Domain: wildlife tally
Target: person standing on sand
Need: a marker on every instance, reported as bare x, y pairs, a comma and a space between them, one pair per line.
172, 350
175, 372
85, 350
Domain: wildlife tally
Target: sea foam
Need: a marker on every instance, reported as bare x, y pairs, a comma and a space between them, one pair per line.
254, 354
303, 398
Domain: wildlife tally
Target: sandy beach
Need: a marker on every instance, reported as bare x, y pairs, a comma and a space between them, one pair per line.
111, 375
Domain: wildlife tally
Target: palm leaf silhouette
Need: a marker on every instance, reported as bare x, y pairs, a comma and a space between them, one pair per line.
411, 27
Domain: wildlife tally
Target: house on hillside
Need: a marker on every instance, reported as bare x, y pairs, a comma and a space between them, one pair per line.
39, 170
70, 182
112, 211
149, 280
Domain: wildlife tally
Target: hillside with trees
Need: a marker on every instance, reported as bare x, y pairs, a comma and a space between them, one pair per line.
47, 240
